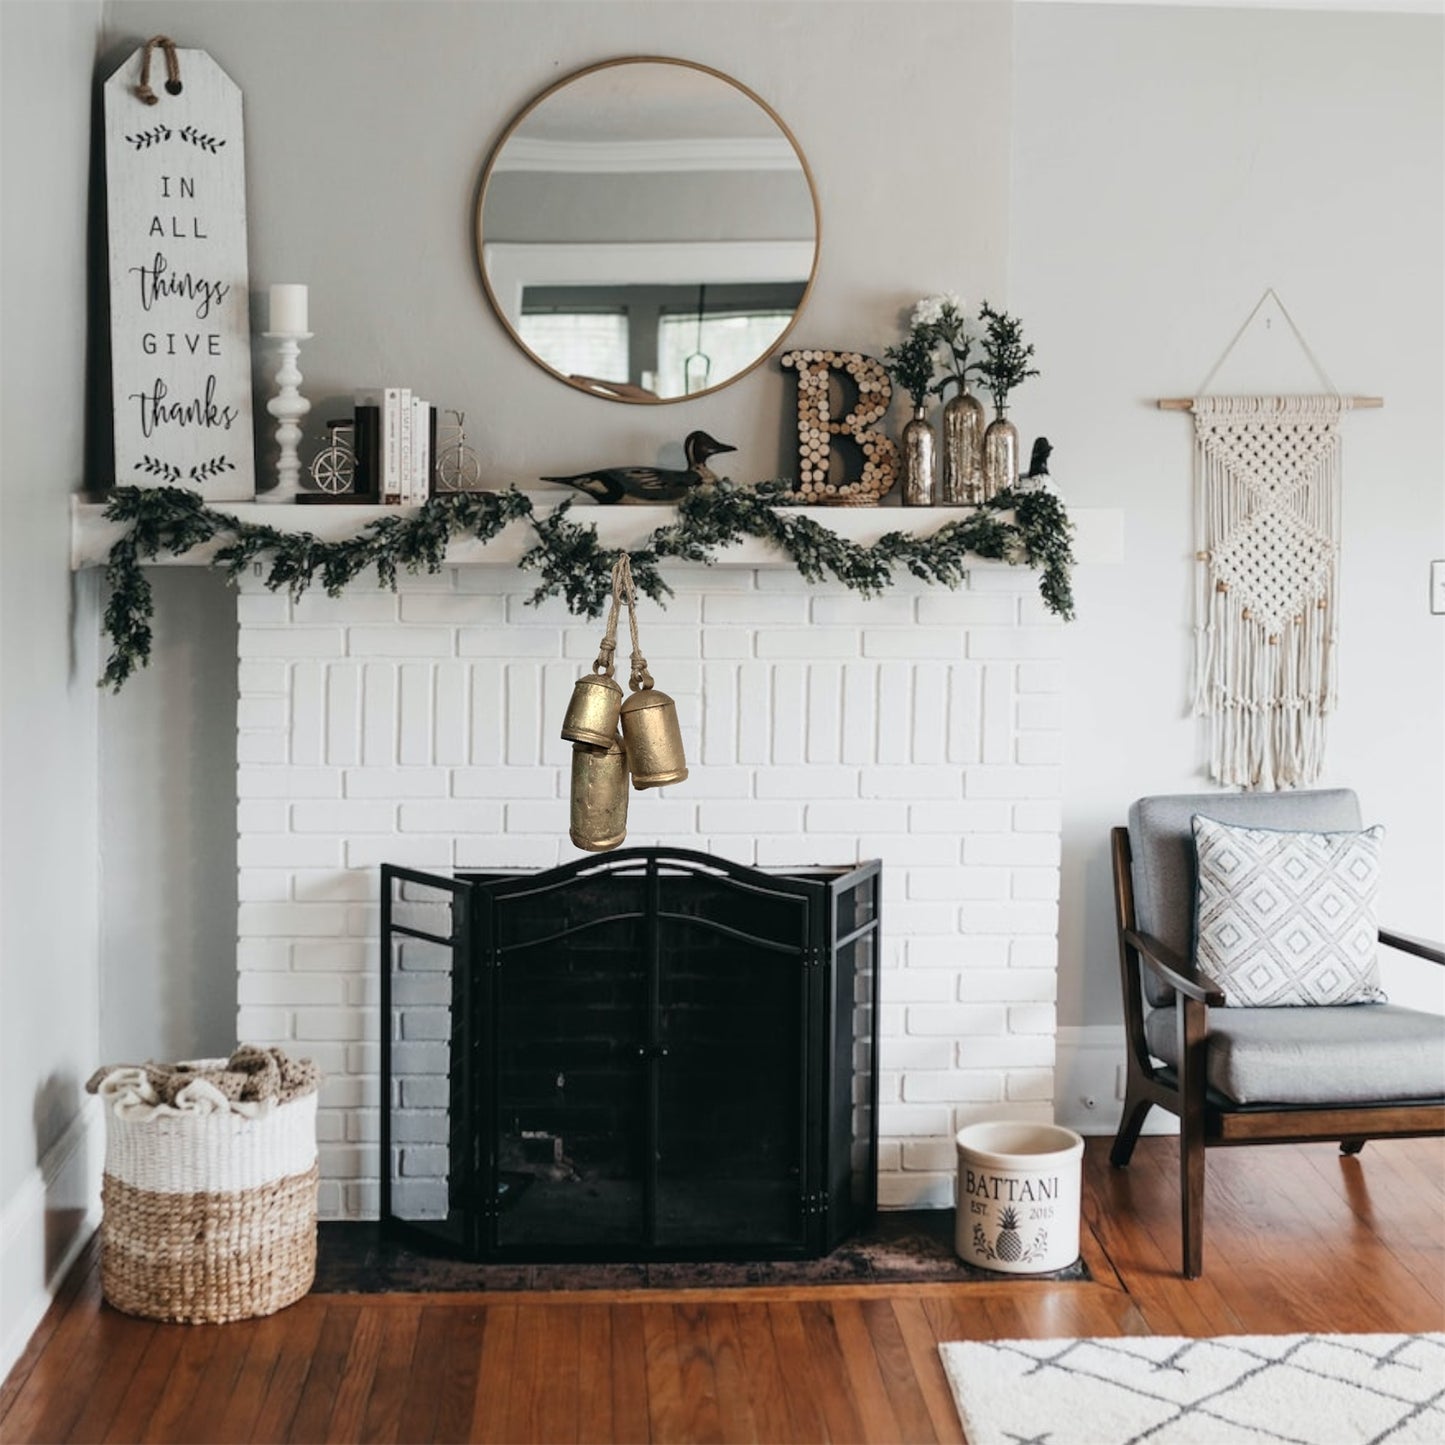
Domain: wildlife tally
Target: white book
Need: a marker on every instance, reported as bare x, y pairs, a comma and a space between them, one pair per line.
407, 461
391, 445
421, 448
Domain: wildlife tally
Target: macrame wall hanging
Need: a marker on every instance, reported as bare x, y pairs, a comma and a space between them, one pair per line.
1267, 484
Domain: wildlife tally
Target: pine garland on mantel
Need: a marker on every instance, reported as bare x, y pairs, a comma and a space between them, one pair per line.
566, 556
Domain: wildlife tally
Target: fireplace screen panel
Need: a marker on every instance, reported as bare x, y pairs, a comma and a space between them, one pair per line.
653, 1055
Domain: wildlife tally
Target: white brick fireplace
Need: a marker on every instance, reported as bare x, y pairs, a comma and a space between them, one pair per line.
421, 728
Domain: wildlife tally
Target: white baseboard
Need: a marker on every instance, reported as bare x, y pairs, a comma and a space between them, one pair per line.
1089, 1082
45, 1224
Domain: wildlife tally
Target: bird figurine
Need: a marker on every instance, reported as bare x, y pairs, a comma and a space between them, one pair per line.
651, 484
1036, 479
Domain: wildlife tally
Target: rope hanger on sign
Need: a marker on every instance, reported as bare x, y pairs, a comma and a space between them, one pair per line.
1267, 497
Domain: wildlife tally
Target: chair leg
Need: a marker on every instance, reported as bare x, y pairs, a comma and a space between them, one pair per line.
1191, 1190
1136, 1110
1351, 1146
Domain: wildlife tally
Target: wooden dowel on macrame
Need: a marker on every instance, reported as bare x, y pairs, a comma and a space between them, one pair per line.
1186, 403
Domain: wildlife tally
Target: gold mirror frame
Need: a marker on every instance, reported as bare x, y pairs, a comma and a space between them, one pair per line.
488, 171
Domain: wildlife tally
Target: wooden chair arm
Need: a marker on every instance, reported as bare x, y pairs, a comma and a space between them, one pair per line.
1173, 969
1406, 943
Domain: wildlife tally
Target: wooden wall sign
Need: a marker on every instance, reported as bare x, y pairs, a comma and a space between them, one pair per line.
818, 427
179, 308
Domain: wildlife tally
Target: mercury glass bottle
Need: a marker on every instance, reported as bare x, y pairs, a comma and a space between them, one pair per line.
917, 449
1000, 456
963, 428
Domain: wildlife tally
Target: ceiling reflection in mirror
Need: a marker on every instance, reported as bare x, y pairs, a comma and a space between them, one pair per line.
647, 230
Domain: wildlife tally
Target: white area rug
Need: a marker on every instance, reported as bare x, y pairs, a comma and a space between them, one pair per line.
1304, 1389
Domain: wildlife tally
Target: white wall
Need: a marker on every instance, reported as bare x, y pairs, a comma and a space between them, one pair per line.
1168, 166
48, 977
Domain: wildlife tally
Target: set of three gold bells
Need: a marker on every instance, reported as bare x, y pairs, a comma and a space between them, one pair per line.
616, 740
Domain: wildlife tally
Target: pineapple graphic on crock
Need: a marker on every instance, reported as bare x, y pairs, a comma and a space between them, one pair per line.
1008, 1245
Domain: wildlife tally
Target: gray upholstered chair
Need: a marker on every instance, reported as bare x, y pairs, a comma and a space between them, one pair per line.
1252, 1075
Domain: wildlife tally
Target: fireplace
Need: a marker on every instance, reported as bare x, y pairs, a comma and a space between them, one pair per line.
659, 1054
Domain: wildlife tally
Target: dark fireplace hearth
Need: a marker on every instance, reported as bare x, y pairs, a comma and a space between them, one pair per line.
654, 1055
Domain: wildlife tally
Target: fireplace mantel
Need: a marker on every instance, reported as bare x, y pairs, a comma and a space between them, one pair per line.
1099, 531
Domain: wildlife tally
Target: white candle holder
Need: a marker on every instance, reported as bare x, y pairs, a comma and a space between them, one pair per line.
288, 406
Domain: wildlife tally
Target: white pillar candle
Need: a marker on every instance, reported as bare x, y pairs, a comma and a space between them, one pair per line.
288, 310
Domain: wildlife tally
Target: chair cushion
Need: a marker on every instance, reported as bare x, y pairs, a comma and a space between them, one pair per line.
1366, 1054
1288, 919
1161, 839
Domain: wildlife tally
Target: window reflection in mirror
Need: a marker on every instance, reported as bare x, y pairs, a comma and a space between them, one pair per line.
647, 230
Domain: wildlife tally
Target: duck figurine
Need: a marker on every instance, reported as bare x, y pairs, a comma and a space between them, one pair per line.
651, 484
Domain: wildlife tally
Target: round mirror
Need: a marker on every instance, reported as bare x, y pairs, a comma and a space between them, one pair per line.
647, 230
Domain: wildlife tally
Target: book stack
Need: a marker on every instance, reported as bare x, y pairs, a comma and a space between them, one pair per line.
395, 445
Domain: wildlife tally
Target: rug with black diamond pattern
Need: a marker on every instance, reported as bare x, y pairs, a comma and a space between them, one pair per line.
1233, 1390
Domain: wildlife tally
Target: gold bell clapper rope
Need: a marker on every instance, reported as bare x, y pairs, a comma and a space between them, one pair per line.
650, 729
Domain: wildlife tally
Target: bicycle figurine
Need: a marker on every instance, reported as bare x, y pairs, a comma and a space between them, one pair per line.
457, 467
334, 469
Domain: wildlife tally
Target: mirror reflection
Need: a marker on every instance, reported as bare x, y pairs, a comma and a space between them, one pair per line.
647, 230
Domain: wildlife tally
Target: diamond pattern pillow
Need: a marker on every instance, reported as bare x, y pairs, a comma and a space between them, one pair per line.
1287, 918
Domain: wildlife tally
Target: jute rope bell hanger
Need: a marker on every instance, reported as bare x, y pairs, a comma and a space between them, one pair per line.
173, 69
1267, 528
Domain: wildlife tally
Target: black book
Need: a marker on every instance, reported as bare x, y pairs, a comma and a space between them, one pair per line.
368, 450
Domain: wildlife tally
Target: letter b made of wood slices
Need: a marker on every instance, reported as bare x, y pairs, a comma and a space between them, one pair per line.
180, 327
822, 424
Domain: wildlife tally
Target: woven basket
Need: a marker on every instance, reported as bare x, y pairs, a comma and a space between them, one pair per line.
209, 1217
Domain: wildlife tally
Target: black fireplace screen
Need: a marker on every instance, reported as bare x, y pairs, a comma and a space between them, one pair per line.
658, 1054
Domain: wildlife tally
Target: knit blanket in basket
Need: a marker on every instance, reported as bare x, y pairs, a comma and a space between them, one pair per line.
252, 1082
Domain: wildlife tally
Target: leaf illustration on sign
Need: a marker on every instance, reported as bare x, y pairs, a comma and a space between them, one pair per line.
179, 290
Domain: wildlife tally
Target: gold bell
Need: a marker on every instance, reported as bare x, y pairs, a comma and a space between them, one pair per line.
653, 737
599, 796
593, 710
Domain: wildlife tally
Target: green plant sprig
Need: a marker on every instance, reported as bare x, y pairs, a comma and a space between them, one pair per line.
911, 363
566, 556
1006, 356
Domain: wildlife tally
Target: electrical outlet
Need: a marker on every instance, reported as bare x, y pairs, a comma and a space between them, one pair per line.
1437, 586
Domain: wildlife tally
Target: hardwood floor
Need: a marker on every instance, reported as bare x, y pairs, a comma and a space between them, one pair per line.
1297, 1238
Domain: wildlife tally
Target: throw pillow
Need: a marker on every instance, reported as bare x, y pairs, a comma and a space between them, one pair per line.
1287, 918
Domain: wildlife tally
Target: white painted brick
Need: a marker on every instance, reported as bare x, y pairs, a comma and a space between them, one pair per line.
1008, 918
1037, 817
487, 712
911, 782
344, 816
539, 817
1039, 713
1012, 783
1030, 1084
1009, 1051
957, 1020
914, 643
1032, 1018
1007, 985
256, 678
263, 850
261, 748
930, 1154
1040, 677
480, 851
289, 990
1039, 850
355, 605
410, 852
749, 817
759, 610
915, 1191
379, 715
1033, 953
859, 715
850, 818
323, 885
719, 719
1011, 644
988, 576
396, 783
262, 714
1034, 611
855, 611
904, 851
268, 642
308, 714
970, 1087
260, 608
807, 644
725, 645
524, 721
789, 716
938, 608
998, 727
408, 641
966, 1114
910, 1054
414, 737
754, 713
451, 725
956, 951
256, 955
343, 722
450, 817
957, 817
698, 578
263, 885
298, 920
1033, 750
802, 782
262, 815
933, 884
904, 986
929, 744
1035, 883
464, 610
504, 783
911, 1120
333, 957
335, 1024
895, 713
924, 919
263, 1025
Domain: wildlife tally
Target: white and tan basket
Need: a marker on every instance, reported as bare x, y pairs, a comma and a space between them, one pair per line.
209, 1217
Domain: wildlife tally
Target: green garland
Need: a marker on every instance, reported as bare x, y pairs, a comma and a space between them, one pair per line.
566, 556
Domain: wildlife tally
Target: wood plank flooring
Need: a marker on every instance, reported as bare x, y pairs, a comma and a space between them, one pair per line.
1296, 1238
